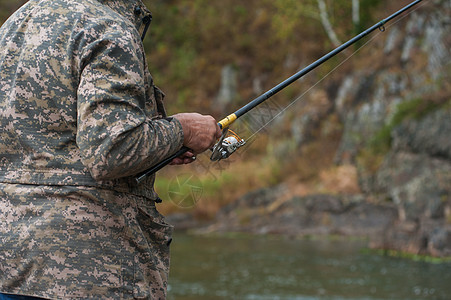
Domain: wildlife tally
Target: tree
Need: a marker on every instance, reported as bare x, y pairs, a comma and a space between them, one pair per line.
326, 23
356, 14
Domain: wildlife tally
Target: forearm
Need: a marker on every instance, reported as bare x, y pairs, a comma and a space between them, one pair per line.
111, 155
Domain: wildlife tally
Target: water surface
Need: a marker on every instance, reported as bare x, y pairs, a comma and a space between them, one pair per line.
281, 268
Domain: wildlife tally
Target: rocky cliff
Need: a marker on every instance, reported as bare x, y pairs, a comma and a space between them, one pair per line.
406, 124
395, 116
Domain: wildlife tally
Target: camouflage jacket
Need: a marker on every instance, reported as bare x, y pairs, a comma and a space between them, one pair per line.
78, 106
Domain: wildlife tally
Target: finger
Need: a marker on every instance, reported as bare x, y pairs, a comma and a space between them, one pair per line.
188, 154
184, 159
218, 132
212, 144
176, 161
189, 160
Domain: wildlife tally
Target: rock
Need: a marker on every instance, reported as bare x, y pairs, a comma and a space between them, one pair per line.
429, 135
324, 203
392, 39
439, 243
366, 219
304, 127
426, 237
435, 43
417, 184
301, 216
413, 31
403, 236
258, 198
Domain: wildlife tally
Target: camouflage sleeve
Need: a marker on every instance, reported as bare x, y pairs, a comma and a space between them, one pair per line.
116, 135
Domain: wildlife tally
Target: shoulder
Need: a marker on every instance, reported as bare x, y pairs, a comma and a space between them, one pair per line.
99, 18
91, 17
95, 25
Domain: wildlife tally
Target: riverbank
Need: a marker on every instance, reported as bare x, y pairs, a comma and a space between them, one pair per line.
270, 211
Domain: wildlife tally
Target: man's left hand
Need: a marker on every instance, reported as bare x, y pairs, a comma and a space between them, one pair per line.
184, 159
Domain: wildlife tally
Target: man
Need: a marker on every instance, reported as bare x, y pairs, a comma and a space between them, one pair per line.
79, 118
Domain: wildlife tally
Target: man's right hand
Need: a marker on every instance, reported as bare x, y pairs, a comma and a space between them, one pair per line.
200, 132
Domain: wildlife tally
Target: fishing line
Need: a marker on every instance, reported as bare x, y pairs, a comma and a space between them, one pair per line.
333, 70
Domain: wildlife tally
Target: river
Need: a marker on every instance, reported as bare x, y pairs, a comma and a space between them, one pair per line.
259, 267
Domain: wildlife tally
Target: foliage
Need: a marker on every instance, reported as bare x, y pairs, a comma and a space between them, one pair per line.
190, 41
291, 15
367, 13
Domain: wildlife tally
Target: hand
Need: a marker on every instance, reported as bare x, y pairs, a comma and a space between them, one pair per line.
200, 132
184, 159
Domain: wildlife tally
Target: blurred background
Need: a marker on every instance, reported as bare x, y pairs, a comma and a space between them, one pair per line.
355, 155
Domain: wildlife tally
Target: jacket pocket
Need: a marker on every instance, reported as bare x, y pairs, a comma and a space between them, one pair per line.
155, 230
153, 259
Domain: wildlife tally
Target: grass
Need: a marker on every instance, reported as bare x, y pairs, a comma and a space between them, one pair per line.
410, 256
204, 188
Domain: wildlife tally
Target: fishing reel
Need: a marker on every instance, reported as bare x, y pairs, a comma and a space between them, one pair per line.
227, 144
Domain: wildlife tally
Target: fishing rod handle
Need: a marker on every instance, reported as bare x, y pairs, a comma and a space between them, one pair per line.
160, 165
227, 121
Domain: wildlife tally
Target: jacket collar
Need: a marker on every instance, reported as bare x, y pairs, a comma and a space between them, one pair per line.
133, 10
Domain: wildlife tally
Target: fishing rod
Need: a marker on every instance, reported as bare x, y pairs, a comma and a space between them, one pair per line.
230, 141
